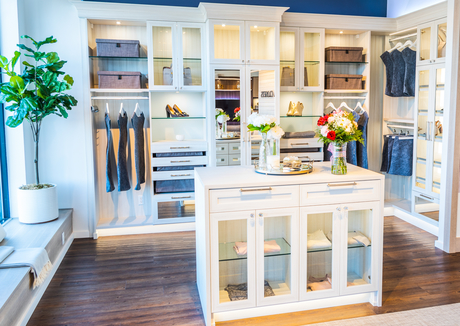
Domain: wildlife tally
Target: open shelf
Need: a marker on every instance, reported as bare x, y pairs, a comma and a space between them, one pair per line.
177, 118
347, 62
335, 91
330, 248
227, 253
170, 59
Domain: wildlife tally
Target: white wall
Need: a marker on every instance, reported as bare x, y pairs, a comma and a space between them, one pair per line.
396, 8
63, 153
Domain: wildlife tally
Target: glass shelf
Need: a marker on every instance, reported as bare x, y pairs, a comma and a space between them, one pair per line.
227, 253
177, 118
330, 248
227, 90
302, 116
346, 62
118, 58
292, 62
169, 59
438, 138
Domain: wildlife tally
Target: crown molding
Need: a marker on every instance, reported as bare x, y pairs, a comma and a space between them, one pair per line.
242, 12
438, 11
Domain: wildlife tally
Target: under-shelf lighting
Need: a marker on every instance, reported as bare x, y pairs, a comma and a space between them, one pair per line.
341, 32
255, 26
118, 23
223, 25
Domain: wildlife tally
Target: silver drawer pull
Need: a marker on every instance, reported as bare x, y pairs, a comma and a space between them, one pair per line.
182, 147
341, 184
425, 196
236, 148
258, 189
299, 144
185, 161
184, 197
180, 175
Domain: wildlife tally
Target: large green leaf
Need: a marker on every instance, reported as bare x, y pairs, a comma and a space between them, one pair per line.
33, 41
12, 122
26, 48
3, 62
48, 40
17, 82
25, 63
63, 112
43, 91
17, 54
52, 57
69, 80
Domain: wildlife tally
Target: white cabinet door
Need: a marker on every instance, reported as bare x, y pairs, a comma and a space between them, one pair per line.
277, 255
311, 68
233, 274
432, 43
289, 59
361, 248
262, 41
319, 251
226, 41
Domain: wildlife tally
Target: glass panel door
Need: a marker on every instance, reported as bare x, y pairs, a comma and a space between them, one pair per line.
425, 44
441, 40
163, 49
312, 50
261, 42
233, 268
438, 121
423, 129
192, 65
276, 252
226, 38
427, 207
288, 58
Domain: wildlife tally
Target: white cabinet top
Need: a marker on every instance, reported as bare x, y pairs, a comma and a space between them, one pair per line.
241, 176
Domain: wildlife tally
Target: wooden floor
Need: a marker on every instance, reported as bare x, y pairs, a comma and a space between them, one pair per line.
150, 280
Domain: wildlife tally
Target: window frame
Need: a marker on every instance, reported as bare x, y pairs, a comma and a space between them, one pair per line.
4, 194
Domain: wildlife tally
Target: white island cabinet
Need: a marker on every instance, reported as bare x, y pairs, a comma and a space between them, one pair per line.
277, 244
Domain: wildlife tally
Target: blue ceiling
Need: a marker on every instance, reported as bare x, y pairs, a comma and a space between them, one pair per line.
376, 8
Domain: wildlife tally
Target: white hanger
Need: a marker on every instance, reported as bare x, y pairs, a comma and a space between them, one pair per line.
122, 110
107, 108
359, 106
395, 47
137, 110
330, 105
344, 105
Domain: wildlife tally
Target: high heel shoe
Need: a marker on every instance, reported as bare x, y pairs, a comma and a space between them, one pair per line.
298, 110
170, 112
179, 111
291, 109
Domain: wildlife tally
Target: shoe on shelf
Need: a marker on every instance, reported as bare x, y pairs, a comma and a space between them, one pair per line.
298, 109
179, 111
291, 109
170, 113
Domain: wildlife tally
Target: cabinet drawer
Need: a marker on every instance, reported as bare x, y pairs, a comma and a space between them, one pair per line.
300, 143
183, 146
173, 175
221, 160
182, 160
221, 148
234, 159
339, 192
315, 156
236, 199
234, 148
255, 148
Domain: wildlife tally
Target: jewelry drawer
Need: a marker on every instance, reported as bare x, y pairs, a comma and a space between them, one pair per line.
234, 148
236, 199
339, 192
179, 160
234, 159
173, 175
293, 143
221, 160
176, 146
221, 148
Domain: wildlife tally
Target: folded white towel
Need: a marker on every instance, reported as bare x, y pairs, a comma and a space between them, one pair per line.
317, 240
354, 238
271, 246
241, 248
5, 251
2, 233
35, 258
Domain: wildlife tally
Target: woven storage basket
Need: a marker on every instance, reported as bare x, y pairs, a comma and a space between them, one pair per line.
336, 81
344, 54
117, 48
119, 79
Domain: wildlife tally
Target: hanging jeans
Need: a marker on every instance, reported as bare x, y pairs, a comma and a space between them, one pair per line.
139, 151
122, 168
109, 157
397, 155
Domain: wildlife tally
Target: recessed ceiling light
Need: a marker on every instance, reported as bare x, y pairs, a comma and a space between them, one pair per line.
118, 23
341, 32
255, 26
223, 25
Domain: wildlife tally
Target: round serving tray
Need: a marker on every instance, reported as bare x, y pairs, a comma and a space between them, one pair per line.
304, 169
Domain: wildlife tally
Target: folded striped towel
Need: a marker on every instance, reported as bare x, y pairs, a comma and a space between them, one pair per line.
35, 258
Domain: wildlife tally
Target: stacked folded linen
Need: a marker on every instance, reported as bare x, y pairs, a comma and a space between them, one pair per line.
241, 248
354, 238
319, 283
318, 240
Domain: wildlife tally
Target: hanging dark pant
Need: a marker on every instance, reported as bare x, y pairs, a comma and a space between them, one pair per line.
109, 157
122, 168
139, 151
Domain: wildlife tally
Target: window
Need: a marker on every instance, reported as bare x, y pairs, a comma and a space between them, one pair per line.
4, 201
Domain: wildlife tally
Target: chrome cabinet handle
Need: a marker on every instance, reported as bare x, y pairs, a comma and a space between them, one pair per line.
258, 189
180, 175
184, 197
261, 219
180, 147
185, 161
252, 221
341, 184
299, 144
427, 135
425, 196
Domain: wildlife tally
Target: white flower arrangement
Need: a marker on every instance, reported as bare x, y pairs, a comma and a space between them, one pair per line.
223, 118
275, 133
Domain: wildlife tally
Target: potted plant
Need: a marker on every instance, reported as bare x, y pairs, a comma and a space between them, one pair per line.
33, 95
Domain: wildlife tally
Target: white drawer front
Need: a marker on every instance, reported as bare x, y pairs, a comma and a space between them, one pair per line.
234, 159
315, 156
235, 199
255, 148
221, 148
221, 160
182, 160
339, 192
293, 143
173, 175
234, 148
183, 146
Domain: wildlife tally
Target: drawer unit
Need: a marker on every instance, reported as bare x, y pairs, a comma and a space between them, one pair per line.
296, 143
234, 159
234, 148
221, 148
175, 146
237, 199
315, 156
339, 192
173, 175
221, 160
180, 160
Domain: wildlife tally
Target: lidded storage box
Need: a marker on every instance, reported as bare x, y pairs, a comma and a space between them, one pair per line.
117, 48
338, 81
344, 54
119, 79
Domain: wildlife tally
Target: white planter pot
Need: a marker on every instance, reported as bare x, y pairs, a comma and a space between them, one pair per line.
38, 206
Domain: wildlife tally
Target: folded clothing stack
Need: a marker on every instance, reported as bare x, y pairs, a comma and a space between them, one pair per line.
318, 240
241, 248
319, 283
354, 238
238, 292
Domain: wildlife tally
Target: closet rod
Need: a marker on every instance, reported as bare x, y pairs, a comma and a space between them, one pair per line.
403, 31
345, 97
404, 36
119, 98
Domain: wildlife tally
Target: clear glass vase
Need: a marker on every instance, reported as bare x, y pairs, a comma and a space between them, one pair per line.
224, 129
273, 156
218, 130
339, 159
263, 152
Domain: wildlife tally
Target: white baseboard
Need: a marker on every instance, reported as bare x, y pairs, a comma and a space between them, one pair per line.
81, 234
42, 288
145, 229
409, 218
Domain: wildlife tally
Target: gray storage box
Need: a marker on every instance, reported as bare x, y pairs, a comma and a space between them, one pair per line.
344, 54
119, 79
337, 81
117, 48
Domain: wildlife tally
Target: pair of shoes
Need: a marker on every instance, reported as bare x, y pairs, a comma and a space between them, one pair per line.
174, 112
295, 109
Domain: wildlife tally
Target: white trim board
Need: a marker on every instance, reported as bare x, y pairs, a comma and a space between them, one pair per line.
42, 288
145, 229
409, 218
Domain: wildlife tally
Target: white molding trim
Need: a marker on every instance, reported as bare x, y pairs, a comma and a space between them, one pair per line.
81, 234
42, 288
415, 221
422, 16
242, 12
145, 229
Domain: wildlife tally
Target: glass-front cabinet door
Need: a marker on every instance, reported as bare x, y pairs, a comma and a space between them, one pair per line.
319, 253
312, 59
262, 42
277, 255
289, 59
437, 128
359, 242
433, 42
226, 41
423, 124
163, 55
191, 64
233, 264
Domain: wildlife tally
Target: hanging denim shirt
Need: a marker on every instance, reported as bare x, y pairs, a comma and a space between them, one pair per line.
361, 149
109, 157
122, 168
399, 69
386, 58
386, 154
351, 146
139, 150
410, 58
401, 156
